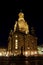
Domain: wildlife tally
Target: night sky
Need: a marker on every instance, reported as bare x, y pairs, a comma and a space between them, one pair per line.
33, 12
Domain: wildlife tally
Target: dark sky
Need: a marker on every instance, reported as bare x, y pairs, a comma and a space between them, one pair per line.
33, 14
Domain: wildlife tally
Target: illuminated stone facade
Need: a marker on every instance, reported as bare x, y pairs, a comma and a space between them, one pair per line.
20, 37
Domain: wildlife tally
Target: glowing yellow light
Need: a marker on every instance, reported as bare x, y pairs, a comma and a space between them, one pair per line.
6, 55
16, 40
26, 53
32, 53
26, 32
0, 54
16, 47
16, 36
35, 52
